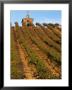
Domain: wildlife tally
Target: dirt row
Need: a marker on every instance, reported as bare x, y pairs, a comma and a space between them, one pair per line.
29, 70
51, 66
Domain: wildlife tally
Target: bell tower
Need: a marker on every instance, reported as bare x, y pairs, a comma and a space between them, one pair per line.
27, 22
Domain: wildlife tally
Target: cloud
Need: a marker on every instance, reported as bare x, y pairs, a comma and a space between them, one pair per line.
46, 20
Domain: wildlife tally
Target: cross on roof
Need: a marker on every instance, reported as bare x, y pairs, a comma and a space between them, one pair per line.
27, 14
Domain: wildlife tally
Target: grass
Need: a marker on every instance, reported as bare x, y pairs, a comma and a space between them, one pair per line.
54, 31
51, 52
48, 38
44, 43
16, 64
42, 70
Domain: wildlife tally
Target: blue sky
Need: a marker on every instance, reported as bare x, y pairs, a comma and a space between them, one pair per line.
41, 16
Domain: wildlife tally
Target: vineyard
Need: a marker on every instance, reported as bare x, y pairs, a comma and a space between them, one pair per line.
36, 52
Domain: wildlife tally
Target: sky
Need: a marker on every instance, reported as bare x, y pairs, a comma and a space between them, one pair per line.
40, 16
